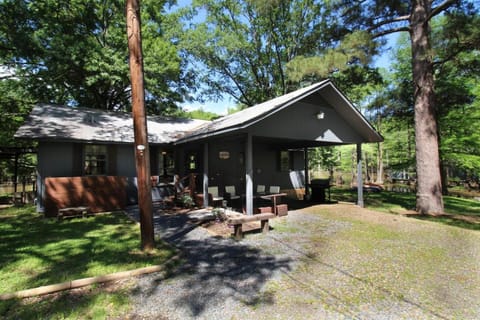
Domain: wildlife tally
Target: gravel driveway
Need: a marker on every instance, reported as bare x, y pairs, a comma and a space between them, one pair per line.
322, 262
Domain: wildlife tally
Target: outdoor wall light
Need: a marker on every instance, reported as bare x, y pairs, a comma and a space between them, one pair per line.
320, 115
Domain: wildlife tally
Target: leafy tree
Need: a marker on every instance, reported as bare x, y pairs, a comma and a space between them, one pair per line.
241, 48
201, 114
380, 18
74, 52
15, 105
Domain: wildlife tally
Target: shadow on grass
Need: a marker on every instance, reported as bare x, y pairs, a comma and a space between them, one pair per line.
462, 213
377, 200
86, 303
37, 251
451, 220
48, 251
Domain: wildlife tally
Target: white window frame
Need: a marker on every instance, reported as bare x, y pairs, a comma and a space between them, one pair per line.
95, 160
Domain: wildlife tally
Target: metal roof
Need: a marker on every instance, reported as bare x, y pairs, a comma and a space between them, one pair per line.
53, 122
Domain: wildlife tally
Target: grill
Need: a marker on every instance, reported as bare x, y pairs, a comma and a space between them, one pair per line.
318, 187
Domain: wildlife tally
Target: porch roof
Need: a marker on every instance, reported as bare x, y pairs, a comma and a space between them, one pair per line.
265, 119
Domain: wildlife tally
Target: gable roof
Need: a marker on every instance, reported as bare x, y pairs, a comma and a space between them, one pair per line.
250, 116
60, 123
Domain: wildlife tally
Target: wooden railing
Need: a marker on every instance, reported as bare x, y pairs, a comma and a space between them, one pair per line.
180, 186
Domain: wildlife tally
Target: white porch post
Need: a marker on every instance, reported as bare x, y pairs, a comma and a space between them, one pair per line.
205, 175
359, 177
249, 174
307, 178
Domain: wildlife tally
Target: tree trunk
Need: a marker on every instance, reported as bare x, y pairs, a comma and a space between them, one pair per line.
429, 185
379, 163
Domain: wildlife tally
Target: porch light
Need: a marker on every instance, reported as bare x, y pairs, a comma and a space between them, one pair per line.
320, 115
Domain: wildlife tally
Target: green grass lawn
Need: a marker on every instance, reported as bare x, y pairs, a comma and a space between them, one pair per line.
37, 251
397, 202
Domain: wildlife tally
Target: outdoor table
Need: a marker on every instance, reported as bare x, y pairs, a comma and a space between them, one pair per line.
273, 197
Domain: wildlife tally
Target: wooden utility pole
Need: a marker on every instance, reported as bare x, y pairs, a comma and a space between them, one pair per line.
142, 153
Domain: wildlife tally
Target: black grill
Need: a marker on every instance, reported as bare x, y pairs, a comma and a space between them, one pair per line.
318, 187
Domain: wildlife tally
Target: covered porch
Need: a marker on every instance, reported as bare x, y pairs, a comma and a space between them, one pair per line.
267, 144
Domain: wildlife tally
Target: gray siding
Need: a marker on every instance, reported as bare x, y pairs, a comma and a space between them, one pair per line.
55, 159
125, 161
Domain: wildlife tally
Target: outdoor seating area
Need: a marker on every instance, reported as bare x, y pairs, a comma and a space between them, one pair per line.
230, 198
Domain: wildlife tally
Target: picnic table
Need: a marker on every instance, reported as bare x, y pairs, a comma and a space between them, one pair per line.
274, 197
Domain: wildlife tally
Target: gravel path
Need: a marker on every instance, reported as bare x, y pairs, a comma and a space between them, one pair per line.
221, 275
280, 275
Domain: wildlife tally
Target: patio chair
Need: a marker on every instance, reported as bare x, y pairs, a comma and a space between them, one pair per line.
274, 189
231, 195
231, 191
260, 189
214, 192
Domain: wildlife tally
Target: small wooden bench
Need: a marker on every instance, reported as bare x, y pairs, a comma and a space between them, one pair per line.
239, 220
73, 212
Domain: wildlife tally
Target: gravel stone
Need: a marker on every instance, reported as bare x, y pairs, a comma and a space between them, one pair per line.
228, 279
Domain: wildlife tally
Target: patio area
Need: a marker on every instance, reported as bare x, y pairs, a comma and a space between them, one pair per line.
174, 223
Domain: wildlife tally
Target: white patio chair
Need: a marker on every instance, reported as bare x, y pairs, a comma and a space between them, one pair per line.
260, 189
274, 189
214, 192
231, 191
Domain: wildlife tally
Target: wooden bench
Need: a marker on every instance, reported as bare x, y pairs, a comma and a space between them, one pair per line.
239, 220
73, 212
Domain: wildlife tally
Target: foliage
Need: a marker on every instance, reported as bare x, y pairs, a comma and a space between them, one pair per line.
380, 18
241, 48
36, 251
457, 93
201, 114
15, 105
355, 47
187, 201
75, 53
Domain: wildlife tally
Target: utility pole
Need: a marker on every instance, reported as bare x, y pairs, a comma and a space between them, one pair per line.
142, 153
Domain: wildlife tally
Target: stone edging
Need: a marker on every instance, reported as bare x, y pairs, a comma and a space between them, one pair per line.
85, 281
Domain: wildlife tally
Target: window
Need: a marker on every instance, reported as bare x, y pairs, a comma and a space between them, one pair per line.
166, 165
192, 162
284, 161
95, 160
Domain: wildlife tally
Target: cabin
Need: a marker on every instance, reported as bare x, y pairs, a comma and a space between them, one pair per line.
88, 156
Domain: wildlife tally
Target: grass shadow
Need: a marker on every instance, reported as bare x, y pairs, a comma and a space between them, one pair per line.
41, 251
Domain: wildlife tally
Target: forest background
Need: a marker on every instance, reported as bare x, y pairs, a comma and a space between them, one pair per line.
74, 53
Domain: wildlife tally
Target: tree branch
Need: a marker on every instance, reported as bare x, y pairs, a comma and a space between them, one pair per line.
441, 7
394, 20
390, 31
